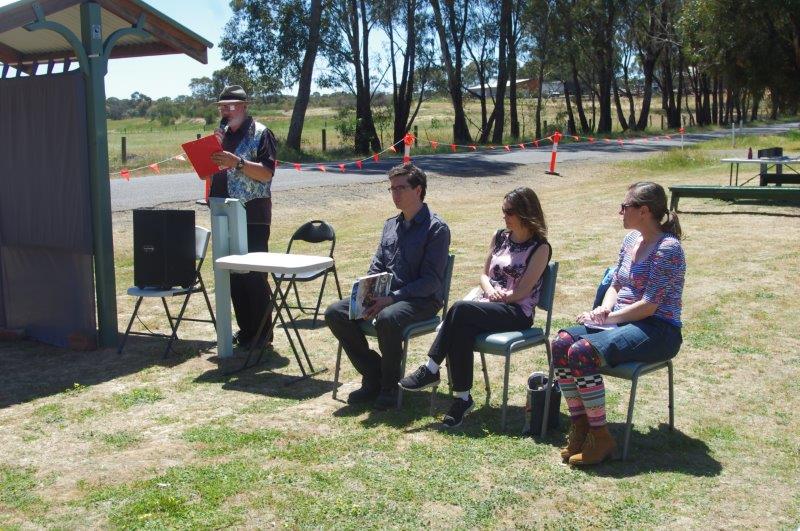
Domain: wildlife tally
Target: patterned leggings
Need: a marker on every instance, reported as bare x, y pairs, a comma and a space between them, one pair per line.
577, 369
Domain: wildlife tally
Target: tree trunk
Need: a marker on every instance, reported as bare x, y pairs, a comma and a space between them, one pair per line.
512, 77
453, 66
578, 95
403, 94
499, 112
623, 123
304, 83
570, 116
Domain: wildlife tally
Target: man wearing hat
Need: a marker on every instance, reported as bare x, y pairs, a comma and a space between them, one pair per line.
248, 158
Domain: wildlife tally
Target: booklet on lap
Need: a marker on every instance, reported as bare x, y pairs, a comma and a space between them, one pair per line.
365, 290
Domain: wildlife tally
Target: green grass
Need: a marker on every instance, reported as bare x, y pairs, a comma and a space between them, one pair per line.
17, 486
121, 440
136, 397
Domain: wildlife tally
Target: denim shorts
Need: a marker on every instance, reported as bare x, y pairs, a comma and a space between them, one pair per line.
649, 340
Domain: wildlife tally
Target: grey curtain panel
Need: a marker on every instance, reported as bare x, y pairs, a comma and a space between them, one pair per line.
46, 276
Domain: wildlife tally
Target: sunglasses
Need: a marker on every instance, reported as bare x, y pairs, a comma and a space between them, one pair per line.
623, 206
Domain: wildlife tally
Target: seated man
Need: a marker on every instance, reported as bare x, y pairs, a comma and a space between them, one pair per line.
413, 247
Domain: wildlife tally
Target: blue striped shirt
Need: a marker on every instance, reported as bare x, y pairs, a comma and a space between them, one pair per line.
657, 279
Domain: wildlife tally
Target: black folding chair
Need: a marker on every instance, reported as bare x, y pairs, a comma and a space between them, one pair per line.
316, 231
201, 238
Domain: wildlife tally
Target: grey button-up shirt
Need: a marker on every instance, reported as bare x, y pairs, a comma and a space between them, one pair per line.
416, 255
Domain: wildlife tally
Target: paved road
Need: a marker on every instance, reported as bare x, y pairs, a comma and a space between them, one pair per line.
150, 191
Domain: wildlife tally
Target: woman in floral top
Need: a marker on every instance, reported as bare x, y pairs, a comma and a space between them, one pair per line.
638, 320
510, 287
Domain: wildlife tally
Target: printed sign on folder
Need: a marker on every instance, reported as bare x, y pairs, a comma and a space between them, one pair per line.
199, 152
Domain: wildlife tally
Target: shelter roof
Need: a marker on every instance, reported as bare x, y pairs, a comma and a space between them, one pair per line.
164, 35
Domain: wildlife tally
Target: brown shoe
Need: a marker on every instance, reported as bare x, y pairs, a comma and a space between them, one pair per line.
575, 437
598, 447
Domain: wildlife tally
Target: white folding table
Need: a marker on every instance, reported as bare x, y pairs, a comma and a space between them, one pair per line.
765, 164
284, 268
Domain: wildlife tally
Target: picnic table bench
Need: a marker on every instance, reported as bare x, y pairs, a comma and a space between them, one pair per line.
783, 193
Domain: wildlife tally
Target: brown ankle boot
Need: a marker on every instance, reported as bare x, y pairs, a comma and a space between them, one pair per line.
598, 447
575, 437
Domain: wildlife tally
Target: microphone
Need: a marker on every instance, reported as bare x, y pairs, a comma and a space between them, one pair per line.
223, 124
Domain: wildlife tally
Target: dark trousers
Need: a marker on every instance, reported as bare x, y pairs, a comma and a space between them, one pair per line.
463, 323
250, 292
389, 325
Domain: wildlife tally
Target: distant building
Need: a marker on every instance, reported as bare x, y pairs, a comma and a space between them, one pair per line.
526, 85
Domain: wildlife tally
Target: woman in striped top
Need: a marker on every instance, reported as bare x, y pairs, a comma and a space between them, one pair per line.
638, 320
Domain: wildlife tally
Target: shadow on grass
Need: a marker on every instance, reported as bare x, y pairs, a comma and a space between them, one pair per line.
659, 450
33, 370
740, 202
263, 380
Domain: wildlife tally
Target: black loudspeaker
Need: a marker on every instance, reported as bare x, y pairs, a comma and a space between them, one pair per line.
163, 248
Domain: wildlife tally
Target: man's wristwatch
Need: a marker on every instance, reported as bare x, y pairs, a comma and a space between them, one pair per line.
240, 164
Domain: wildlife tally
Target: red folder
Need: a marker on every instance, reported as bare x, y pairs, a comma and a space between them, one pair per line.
199, 152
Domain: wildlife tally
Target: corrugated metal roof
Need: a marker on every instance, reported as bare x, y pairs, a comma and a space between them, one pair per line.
165, 36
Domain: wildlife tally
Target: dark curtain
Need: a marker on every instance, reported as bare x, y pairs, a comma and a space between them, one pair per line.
46, 275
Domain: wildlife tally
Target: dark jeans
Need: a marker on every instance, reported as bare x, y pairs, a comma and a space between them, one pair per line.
389, 324
463, 323
648, 341
250, 292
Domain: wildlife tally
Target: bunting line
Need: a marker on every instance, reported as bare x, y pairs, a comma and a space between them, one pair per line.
435, 145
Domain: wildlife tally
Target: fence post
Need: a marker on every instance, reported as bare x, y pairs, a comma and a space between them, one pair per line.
124, 150
416, 136
454, 132
324, 140
198, 136
662, 122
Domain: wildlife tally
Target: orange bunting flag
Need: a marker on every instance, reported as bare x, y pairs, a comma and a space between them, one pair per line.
359, 164
607, 140
125, 174
491, 146
434, 144
453, 147
536, 143
591, 139
341, 167
521, 146
297, 166
645, 139
155, 167
507, 148
321, 167
406, 159
376, 157
473, 148
180, 157
668, 137
576, 138
620, 142
393, 149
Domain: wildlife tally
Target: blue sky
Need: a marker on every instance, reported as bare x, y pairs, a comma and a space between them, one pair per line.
169, 75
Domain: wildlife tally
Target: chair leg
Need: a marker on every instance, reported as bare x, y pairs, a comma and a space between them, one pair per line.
336, 372
208, 301
402, 372
174, 335
169, 315
629, 423
319, 300
505, 391
297, 296
130, 323
671, 397
548, 391
486, 377
336, 278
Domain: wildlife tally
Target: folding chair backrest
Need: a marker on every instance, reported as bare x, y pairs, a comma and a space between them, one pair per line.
770, 152
315, 231
548, 292
201, 237
448, 276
